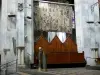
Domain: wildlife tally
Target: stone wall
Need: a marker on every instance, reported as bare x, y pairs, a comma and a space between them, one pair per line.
13, 27
87, 35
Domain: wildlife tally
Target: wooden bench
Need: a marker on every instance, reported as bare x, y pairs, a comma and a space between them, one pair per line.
58, 52
65, 58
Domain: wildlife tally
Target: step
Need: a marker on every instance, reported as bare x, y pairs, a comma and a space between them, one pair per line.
97, 67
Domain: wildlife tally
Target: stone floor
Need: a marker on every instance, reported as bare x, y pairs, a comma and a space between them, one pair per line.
73, 71
62, 71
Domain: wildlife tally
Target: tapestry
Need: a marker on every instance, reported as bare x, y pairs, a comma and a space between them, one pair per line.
53, 17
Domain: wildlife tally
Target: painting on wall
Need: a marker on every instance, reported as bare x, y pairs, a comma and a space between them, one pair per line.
53, 17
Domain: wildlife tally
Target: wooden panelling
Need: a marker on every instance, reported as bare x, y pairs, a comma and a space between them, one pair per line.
56, 45
70, 45
41, 42
65, 58
76, 57
58, 52
58, 58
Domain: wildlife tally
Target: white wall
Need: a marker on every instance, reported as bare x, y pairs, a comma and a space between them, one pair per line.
86, 33
14, 27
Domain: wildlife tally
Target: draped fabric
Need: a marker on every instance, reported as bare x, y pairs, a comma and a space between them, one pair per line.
53, 17
61, 36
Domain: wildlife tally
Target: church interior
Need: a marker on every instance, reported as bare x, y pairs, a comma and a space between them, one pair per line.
59, 45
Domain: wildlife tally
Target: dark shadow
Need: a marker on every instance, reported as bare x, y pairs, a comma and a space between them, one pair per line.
74, 65
0, 4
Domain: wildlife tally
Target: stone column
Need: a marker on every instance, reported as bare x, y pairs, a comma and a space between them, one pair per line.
19, 56
20, 31
96, 54
22, 57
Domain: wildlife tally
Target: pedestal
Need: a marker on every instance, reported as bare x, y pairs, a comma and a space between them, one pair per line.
21, 56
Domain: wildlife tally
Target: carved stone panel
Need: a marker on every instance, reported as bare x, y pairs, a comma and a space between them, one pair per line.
53, 17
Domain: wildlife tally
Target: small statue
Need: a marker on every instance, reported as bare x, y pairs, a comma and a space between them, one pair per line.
40, 59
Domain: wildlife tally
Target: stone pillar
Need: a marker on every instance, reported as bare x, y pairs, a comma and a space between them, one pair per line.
19, 56
20, 32
96, 54
22, 57
29, 31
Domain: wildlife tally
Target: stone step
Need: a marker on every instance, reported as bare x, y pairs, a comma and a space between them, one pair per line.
97, 67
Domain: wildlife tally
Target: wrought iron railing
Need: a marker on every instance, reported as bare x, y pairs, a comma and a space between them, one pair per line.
6, 65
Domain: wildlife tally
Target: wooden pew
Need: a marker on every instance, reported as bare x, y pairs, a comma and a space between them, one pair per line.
58, 52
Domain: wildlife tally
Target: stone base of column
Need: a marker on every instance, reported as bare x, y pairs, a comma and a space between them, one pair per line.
39, 69
21, 66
